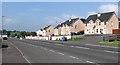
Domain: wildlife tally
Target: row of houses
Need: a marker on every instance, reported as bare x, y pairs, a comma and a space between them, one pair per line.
101, 23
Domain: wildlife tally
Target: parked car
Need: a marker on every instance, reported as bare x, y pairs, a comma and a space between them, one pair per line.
4, 38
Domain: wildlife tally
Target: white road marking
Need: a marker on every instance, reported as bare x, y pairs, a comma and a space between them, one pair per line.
59, 44
44, 48
81, 47
89, 62
32, 45
60, 53
52, 50
21, 53
47, 43
111, 51
73, 57
72, 46
101, 46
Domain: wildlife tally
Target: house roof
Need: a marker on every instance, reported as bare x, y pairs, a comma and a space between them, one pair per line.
69, 22
103, 17
46, 27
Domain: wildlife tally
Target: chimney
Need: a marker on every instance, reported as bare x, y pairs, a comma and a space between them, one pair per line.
69, 19
98, 15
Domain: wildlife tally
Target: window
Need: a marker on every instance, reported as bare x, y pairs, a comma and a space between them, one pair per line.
111, 23
97, 30
101, 30
99, 23
75, 26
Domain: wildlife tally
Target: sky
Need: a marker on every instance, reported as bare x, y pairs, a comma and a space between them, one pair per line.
31, 16
60, 0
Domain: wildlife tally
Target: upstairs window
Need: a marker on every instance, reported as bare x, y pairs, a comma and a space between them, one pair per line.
111, 23
98, 22
75, 26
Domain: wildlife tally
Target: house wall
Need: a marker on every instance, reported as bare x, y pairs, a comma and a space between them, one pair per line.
49, 31
89, 28
56, 31
65, 30
101, 28
39, 32
77, 26
113, 23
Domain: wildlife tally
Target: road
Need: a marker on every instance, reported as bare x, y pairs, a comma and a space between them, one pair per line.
34, 51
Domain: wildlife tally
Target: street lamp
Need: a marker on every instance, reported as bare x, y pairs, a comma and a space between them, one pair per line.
2, 32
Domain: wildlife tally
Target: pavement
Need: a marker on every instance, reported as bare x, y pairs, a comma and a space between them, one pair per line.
10, 54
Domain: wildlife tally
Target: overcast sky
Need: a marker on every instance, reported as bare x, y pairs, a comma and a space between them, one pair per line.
31, 16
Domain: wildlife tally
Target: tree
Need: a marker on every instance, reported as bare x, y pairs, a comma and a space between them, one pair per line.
33, 34
23, 34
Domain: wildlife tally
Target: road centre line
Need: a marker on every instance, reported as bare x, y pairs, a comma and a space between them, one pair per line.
81, 47
72, 46
52, 50
111, 51
101, 46
59, 44
60, 53
89, 62
73, 57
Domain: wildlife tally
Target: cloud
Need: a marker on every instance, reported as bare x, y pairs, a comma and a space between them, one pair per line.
105, 8
62, 18
52, 20
91, 13
7, 21
108, 8
68, 16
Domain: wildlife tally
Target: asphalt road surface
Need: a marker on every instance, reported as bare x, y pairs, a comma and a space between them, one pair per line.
34, 51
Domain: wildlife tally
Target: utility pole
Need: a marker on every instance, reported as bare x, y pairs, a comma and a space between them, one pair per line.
1, 33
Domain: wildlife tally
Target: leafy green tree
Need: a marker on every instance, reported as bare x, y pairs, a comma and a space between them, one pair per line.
23, 34
33, 34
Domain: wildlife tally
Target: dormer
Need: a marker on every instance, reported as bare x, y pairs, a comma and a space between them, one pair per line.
98, 15
97, 22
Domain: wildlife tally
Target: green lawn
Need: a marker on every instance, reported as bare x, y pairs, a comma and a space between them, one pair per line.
109, 43
74, 39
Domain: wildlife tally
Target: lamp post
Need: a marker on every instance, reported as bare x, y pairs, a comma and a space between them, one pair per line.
2, 33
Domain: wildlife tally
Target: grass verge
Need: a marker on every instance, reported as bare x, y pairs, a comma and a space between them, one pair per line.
109, 43
74, 39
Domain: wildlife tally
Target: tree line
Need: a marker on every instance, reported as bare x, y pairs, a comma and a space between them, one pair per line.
19, 34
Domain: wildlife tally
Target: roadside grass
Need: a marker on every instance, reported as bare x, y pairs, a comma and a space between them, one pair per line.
74, 39
109, 43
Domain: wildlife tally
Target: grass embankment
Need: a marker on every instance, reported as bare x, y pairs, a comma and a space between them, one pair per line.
109, 43
74, 39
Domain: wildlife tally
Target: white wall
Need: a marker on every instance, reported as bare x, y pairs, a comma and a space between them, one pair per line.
46, 38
